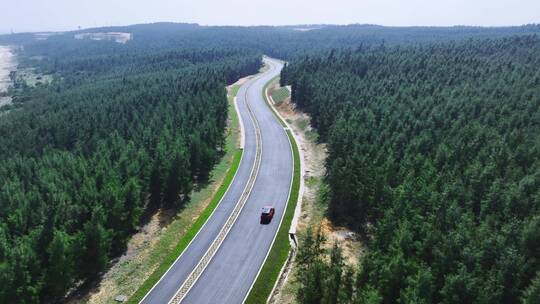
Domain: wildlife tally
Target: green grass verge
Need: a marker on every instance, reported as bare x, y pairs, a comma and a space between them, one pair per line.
268, 102
203, 217
234, 90
280, 249
280, 94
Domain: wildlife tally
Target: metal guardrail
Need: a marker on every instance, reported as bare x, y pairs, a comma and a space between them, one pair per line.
205, 260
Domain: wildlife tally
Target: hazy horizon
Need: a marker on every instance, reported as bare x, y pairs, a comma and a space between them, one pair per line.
62, 15
66, 29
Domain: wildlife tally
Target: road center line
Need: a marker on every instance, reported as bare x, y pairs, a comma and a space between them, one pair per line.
212, 250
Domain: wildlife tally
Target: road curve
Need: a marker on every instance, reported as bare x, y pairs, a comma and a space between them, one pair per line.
230, 273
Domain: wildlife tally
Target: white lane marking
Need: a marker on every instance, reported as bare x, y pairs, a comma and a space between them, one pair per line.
216, 244
242, 131
283, 215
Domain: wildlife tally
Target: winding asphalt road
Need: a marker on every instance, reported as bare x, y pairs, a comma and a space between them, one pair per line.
230, 272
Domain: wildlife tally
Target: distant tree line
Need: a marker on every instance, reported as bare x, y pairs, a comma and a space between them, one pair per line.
285, 42
434, 156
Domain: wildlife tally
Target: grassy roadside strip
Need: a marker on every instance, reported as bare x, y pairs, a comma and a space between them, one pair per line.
268, 101
280, 249
280, 94
203, 217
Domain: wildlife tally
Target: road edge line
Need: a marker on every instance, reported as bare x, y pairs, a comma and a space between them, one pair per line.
298, 210
241, 123
265, 96
294, 148
257, 130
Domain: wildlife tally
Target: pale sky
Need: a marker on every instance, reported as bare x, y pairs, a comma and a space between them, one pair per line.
41, 15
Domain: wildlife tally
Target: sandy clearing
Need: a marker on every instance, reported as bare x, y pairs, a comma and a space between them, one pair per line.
119, 37
8, 64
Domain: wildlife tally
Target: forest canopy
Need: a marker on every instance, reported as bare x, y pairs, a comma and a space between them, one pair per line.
113, 137
434, 156
433, 151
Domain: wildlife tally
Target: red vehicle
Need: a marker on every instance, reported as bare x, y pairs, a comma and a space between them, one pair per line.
267, 214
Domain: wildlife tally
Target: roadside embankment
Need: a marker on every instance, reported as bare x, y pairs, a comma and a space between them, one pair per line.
313, 207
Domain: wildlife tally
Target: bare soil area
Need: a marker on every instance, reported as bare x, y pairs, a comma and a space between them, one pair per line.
8, 64
119, 37
32, 78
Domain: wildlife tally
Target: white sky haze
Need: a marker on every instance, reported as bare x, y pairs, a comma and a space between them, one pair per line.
40, 15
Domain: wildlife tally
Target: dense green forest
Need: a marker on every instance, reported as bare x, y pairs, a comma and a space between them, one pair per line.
433, 151
434, 156
113, 137
284, 42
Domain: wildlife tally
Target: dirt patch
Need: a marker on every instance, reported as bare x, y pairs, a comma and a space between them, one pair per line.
240, 81
32, 78
8, 64
5, 100
348, 240
118, 37
313, 210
